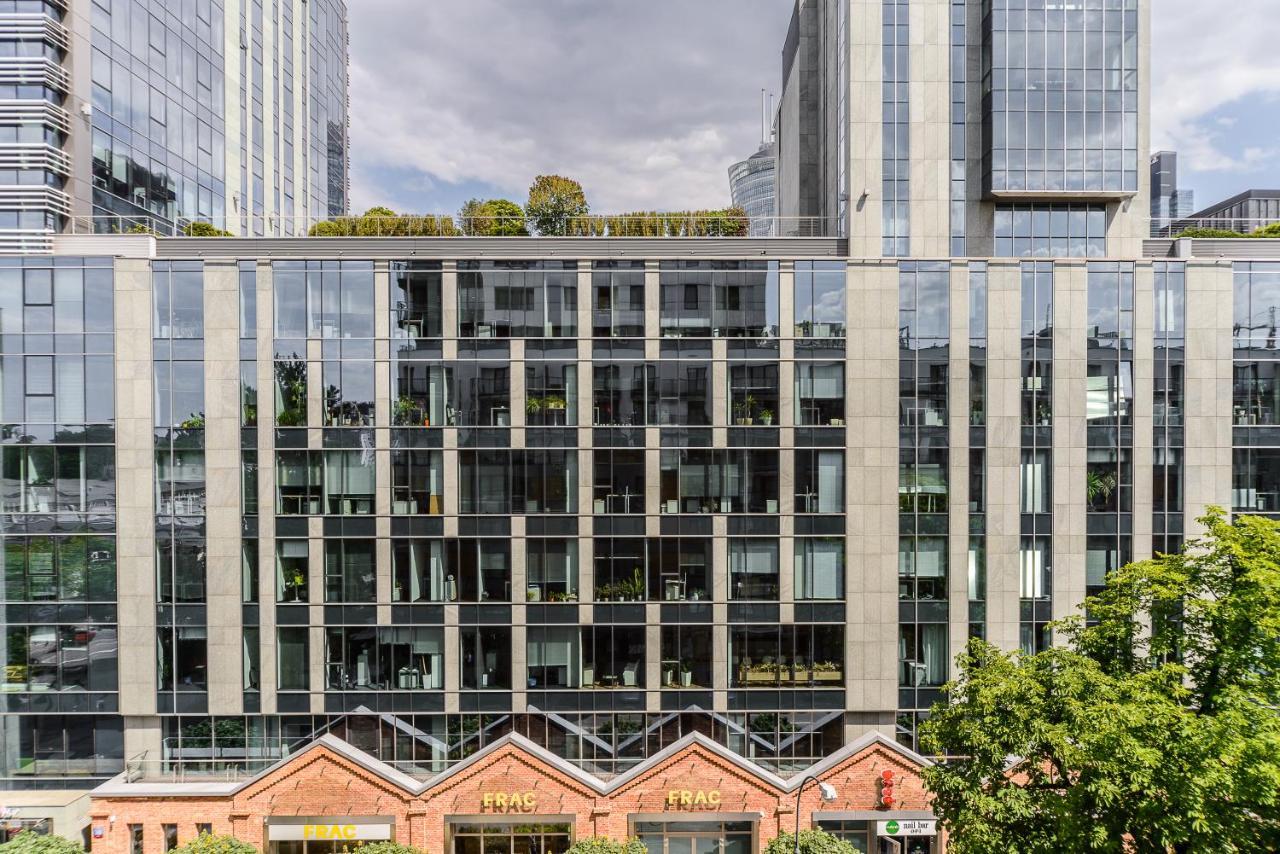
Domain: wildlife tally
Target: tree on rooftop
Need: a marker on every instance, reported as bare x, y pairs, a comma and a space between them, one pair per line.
1152, 727
554, 201
492, 218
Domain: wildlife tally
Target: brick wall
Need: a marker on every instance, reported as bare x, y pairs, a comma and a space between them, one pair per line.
323, 783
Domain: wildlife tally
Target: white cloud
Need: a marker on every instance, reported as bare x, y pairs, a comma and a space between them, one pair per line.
1206, 56
646, 103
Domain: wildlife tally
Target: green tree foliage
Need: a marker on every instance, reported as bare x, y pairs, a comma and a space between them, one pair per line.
1153, 727
730, 222
554, 202
208, 843
34, 843
492, 218
812, 841
384, 222
204, 229
601, 845
1267, 231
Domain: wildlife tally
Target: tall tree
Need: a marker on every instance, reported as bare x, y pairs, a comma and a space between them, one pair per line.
492, 218
554, 201
1153, 727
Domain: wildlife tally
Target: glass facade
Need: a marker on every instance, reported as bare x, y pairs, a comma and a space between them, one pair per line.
896, 128
1036, 466
1060, 97
1255, 481
58, 524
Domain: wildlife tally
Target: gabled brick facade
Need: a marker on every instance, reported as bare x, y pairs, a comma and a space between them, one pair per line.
511, 778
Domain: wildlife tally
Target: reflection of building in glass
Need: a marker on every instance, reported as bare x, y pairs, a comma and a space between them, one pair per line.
1248, 211
753, 186
1169, 202
120, 116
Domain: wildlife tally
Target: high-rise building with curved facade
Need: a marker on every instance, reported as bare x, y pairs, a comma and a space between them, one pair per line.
753, 187
141, 114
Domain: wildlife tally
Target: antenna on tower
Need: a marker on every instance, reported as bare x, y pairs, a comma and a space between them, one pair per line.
764, 118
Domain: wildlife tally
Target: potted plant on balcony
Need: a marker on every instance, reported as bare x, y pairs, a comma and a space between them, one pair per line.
633, 588
294, 585
405, 412
533, 405
826, 671
669, 676
686, 673
766, 417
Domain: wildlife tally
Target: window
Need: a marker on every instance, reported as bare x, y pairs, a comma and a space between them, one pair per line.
786, 656
292, 570
178, 300
323, 299
293, 664
551, 395
820, 299
482, 395
819, 477
717, 481
613, 656
1051, 231
135, 839
170, 836
416, 305
348, 394
819, 568
619, 482
384, 658
517, 299
484, 570
291, 392
350, 571
420, 395
551, 568
349, 479
753, 394
418, 570
299, 483
922, 568
417, 483
722, 299
617, 307
486, 657
625, 394
753, 569
553, 657
687, 657
819, 394
922, 655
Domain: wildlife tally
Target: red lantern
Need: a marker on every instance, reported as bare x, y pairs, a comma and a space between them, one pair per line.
886, 788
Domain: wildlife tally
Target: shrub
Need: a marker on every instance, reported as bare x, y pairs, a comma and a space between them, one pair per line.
204, 229
27, 842
384, 222
1272, 230
1208, 233
386, 848
812, 841
207, 843
601, 845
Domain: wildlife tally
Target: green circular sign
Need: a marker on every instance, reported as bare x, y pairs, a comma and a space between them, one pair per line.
891, 827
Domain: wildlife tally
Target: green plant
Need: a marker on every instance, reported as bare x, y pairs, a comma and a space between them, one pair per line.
140, 228
601, 845
194, 421
554, 202
1272, 230
207, 843
385, 847
492, 218
1150, 725
766, 415
633, 587
28, 842
1208, 233
533, 405
404, 411
204, 229
1099, 484
384, 222
812, 841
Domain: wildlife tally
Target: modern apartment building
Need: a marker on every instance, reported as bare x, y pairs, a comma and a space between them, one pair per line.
121, 114
472, 541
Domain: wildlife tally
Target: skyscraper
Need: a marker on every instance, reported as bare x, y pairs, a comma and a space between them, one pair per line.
128, 114
1169, 201
752, 187
1028, 142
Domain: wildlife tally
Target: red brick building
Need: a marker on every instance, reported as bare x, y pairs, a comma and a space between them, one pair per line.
518, 797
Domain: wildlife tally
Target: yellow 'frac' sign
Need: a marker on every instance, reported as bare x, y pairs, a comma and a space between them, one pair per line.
693, 798
509, 801
329, 831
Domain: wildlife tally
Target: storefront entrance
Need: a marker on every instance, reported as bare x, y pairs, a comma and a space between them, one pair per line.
697, 837
324, 834
510, 837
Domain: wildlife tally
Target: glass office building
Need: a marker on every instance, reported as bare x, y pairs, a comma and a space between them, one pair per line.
118, 116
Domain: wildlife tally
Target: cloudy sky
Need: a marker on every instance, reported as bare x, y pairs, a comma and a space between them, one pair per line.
647, 102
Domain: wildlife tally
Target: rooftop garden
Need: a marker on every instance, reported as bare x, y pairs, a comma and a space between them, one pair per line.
1271, 231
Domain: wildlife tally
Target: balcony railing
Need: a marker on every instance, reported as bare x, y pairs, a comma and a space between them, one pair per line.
446, 225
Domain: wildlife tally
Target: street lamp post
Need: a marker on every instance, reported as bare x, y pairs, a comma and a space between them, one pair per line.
828, 793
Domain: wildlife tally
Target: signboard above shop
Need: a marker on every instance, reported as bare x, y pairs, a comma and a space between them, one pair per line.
907, 827
328, 830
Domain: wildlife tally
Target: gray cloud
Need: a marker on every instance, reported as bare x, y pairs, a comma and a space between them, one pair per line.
647, 102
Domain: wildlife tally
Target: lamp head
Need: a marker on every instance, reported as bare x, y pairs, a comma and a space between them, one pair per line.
827, 791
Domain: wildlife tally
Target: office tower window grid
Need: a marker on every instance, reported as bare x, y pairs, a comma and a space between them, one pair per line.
924, 332
180, 523
1255, 439
1109, 419
978, 274
58, 523
1051, 231
896, 127
959, 125
1169, 442
1036, 468
1061, 97
250, 560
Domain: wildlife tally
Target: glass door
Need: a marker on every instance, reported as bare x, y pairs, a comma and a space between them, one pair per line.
696, 837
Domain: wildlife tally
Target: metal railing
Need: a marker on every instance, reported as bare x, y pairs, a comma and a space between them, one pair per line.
1171, 227
710, 225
